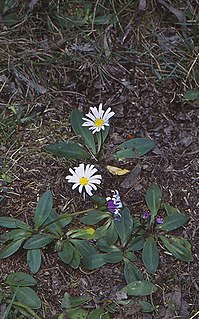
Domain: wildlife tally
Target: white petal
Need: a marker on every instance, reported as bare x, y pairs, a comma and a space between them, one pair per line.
88, 189
108, 114
90, 116
75, 185
80, 170
87, 124
90, 170
93, 186
80, 188
100, 111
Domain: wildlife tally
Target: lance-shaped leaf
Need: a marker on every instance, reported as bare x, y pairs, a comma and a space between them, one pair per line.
43, 209
75, 262
178, 247
80, 233
76, 313
134, 148
28, 296
34, 260
113, 257
53, 224
124, 225
105, 247
10, 222
136, 243
66, 254
111, 234
98, 313
69, 150
38, 241
20, 279
94, 217
11, 248
83, 131
83, 247
173, 221
131, 272
140, 288
153, 199
150, 255
14, 235
93, 261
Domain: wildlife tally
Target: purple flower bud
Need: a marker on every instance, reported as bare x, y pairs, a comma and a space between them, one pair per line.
159, 220
146, 215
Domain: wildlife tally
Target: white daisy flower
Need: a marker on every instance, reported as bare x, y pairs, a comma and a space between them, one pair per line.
97, 119
84, 178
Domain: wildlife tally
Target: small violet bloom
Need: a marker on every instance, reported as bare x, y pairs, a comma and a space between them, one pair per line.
114, 204
159, 220
146, 215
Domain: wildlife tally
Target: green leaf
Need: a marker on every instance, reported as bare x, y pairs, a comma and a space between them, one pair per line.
28, 296
153, 199
111, 234
77, 313
105, 247
66, 254
170, 210
101, 201
72, 302
136, 243
139, 288
56, 227
124, 226
101, 231
99, 313
34, 260
43, 209
131, 272
83, 131
173, 221
11, 19
66, 301
83, 247
134, 148
104, 133
20, 279
150, 255
129, 255
38, 241
75, 262
9, 222
94, 217
178, 248
69, 150
146, 306
11, 248
93, 261
99, 141
14, 234
80, 233
191, 95
113, 257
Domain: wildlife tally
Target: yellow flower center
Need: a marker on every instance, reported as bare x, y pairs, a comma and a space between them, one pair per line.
99, 122
83, 181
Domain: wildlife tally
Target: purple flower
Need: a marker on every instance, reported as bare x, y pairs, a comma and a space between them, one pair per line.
146, 215
114, 204
159, 220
